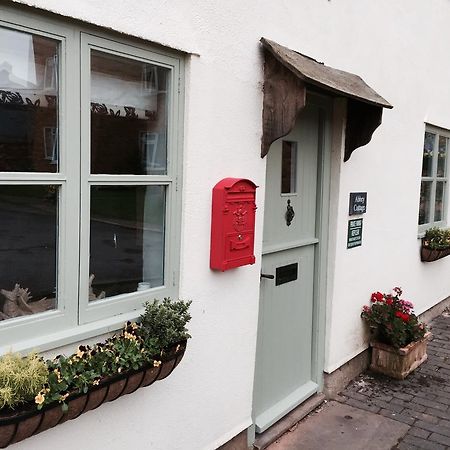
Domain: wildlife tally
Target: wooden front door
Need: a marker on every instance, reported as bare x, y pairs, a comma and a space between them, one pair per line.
285, 375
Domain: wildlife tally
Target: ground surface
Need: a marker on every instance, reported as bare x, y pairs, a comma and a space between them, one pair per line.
418, 408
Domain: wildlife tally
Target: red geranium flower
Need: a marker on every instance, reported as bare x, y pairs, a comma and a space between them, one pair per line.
376, 297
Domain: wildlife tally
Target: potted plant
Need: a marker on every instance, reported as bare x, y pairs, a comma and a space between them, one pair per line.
399, 339
435, 244
37, 395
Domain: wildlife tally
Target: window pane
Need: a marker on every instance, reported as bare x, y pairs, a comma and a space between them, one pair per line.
439, 202
128, 116
127, 239
28, 102
289, 168
28, 249
428, 149
424, 207
442, 156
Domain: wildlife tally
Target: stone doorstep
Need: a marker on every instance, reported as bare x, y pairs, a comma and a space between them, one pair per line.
269, 436
342, 427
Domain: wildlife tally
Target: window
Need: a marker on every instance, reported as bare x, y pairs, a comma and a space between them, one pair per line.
89, 161
433, 189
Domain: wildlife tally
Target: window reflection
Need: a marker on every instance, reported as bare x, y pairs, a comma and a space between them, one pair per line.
28, 250
28, 102
425, 200
127, 239
128, 116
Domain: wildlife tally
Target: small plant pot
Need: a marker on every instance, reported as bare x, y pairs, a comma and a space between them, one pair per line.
399, 362
430, 255
27, 421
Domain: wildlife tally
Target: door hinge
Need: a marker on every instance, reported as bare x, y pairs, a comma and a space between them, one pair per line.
179, 84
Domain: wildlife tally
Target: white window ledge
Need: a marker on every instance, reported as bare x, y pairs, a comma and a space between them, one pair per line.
72, 335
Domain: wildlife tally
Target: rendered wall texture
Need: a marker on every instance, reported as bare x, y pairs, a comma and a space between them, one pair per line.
399, 48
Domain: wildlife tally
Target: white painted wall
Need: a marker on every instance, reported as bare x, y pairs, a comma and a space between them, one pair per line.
399, 47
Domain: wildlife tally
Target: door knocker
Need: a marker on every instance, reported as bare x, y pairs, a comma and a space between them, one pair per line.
290, 213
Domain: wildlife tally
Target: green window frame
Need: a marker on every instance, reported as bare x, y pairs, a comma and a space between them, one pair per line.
75, 317
433, 202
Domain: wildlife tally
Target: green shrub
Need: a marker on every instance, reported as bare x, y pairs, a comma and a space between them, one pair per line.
20, 378
164, 323
437, 238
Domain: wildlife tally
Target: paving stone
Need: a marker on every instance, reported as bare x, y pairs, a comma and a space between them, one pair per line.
406, 446
432, 427
403, 396
362, 405
429, 403
388, 405
444, 440
357, 396
404, 418
418, 432
438, 413
421, 416
422, 443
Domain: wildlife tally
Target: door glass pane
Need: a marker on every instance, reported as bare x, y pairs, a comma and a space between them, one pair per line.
28, 102
439, 201
442, 156
127, 239
428, 150
425, 198
28, 250
128, 116
289, 168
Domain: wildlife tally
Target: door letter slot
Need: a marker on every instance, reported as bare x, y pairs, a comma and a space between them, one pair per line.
285, 274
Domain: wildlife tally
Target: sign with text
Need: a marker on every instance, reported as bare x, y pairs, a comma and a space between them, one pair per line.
358, 203
354, 235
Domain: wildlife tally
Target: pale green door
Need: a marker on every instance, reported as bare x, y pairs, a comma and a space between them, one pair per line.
284, 362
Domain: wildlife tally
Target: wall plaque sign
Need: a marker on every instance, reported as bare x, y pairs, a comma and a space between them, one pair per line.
358, 203
354, 235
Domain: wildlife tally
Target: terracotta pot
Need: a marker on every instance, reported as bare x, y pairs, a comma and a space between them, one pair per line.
430, 255
26, 421
399, 362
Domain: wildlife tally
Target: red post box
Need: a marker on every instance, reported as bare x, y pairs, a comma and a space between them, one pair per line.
233, 223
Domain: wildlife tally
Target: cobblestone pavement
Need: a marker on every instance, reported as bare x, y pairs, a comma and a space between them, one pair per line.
422, 400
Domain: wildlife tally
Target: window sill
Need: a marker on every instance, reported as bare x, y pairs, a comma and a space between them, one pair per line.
72, 335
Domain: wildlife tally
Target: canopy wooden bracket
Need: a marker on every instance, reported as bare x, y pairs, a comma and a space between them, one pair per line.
288, 74
284, 98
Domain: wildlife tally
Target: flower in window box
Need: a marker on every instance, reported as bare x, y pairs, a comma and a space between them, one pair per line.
435, 244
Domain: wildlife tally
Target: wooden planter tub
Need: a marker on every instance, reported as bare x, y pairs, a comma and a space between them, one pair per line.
399, 362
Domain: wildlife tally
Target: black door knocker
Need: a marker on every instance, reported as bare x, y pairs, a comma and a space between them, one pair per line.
290, 213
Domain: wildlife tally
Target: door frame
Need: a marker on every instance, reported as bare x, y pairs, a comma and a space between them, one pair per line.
322, 232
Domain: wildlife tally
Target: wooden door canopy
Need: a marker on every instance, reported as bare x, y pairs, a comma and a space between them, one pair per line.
287, 74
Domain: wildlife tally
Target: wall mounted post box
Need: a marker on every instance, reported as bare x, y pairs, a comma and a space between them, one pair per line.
233, 223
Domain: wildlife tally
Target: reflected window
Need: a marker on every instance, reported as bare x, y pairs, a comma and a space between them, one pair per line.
28, 102
29, 230
127, 239
128, 116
